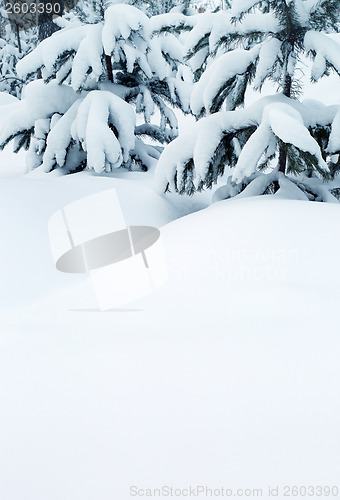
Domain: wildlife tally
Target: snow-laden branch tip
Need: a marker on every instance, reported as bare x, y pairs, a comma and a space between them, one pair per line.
326, 50
239, 7
91, 128
121, 20
40, 101
48, 51
218, 74
282, 121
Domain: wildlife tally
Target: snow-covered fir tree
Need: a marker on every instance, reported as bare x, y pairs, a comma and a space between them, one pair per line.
91, 11
14, 44
156, 7
95, 79
279, 142
88, 11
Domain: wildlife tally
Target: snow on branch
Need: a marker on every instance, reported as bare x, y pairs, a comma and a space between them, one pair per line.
269, 54
102, 124
88, 58
218, 74
326, 49
249, 137
197, 145
240, 7
211, 30
105, 126
121, 20
40, 101
49, 51
124, 36
334, 137
282, 121
124, 22
172, 21
95, 78
59, 139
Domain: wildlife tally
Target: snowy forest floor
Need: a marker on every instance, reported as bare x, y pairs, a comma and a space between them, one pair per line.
226, 376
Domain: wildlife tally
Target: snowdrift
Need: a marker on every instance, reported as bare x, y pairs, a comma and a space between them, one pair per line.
227, 377
27, 274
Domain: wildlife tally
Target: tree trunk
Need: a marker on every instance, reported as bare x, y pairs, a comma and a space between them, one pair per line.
46, 26
287, 87
282, 159
109, 68
18, 37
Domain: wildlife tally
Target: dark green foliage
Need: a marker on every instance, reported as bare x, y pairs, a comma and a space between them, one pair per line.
290, 35
22, 141
326, 16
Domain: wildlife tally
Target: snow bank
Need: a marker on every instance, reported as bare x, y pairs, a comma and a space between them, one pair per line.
229, 376
26, 203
